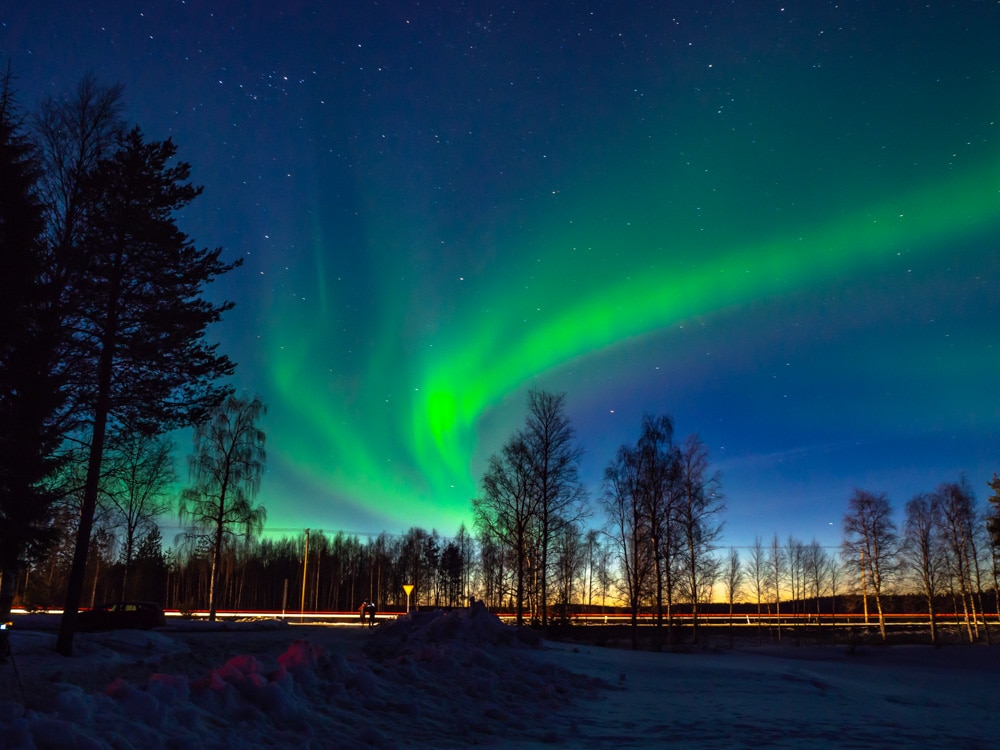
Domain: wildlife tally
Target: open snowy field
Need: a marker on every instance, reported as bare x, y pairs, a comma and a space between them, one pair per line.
464, 679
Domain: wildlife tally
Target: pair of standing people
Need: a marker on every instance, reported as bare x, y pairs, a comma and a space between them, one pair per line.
367, 608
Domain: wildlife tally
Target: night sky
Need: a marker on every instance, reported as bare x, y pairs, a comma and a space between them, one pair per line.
778, 222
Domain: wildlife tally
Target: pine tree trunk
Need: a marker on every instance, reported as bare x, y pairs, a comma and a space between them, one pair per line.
74, 586
8, 579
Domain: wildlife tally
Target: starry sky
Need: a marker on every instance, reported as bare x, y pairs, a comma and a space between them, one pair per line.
776, 221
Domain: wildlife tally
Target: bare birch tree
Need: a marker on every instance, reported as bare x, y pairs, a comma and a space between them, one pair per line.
954, 510
658, 467
628, 529
699, 506
136, 486
506, 510
555, 456
733, 576
871, 544
815, 562
226, 469
796, 572
921, 550
757, 572
776, 566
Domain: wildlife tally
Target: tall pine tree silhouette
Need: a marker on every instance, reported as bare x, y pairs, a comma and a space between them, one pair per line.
142, 319
31, 395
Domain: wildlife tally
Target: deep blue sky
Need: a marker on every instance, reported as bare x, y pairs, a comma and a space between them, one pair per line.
778, 222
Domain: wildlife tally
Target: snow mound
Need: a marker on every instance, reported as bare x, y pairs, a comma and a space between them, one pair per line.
431, 679
428, 632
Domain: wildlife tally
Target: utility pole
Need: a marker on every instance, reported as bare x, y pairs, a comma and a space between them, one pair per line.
305, 567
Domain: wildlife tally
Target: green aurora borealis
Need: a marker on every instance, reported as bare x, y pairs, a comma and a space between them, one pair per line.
490, 353
777, 222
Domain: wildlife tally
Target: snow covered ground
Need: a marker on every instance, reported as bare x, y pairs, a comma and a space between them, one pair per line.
464, 679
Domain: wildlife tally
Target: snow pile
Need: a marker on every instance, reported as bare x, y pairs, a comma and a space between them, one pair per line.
438, 679
475, 627
462, 678
168, 711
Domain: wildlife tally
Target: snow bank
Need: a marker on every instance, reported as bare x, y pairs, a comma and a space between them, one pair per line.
462, 678
424, 631
442, 679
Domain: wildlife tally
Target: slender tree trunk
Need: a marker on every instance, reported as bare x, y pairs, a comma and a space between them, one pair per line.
969, 594
881, 615
239, 583
316, 584
954, 609
777, 598
23, 589
658, 572
932, 620
864, 586
97, 574
760, 633
519, 592
544, 561
214, 572
693, 563
964, 596
8, 581
125, 580
977, 591
730, 622
669, 586
634, 594
74, 585
635, 623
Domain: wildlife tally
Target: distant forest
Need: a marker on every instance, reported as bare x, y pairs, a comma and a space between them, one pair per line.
103, 354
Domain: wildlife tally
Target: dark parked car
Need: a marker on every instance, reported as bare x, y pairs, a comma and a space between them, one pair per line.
121, 616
